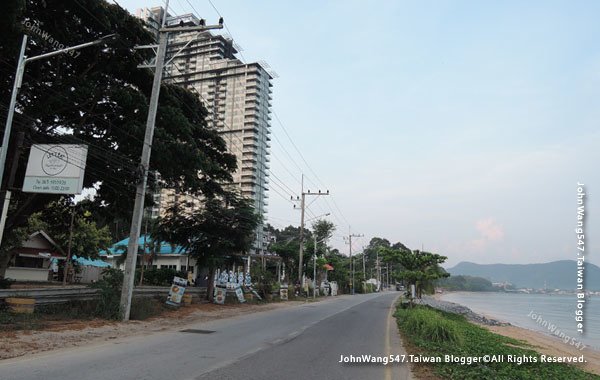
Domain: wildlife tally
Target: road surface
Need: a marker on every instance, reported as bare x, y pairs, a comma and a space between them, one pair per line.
300, 342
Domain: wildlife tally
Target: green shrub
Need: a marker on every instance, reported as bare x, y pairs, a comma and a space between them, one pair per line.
108, 305
158, 277
429, 324
5, 283
265, 281
432, 332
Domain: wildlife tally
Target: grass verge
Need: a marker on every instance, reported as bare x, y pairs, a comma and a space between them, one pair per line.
43, 316
433, 333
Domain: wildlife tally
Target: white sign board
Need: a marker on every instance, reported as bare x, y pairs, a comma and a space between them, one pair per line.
55, 169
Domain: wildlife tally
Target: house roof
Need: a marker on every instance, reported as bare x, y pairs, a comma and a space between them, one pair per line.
91, 262
32, 247
45, 235
165, 248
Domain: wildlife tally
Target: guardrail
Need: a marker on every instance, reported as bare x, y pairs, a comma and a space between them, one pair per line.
44, 296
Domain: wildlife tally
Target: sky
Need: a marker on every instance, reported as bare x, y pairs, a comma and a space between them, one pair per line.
459, 127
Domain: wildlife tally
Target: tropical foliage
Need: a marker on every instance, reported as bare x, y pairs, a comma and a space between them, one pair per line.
99, 97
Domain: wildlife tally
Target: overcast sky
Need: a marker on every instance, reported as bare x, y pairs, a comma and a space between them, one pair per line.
459, 126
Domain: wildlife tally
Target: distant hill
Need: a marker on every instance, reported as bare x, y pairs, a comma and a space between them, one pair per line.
557, 274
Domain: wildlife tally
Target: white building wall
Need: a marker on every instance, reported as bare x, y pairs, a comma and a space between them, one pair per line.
27, 274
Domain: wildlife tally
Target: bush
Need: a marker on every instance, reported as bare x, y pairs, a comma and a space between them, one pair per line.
5, 283
265, 281
158, 277
108, 306
432, 332
365, 288
429, 325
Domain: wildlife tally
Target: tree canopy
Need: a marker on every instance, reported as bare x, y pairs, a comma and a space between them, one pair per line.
99, 97
417, 268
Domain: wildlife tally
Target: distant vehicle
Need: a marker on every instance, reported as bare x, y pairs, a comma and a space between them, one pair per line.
399, 287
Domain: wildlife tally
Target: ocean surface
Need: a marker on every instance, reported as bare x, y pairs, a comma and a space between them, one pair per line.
518, 309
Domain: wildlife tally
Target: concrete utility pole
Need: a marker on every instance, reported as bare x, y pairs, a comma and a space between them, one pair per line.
364, 271
302, 207
315, 266
138, 208
68, 261
350, 236
23, 60
387, 274
378, 270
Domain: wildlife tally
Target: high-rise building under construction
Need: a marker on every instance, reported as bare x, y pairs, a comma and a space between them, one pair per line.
237, 96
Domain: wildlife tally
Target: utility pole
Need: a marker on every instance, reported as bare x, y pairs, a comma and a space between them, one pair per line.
68, 261
23, 60
302, 208
315, 266
387, 274
315, 261
364, 271
350, 236
138, 208
378, 270
11, 180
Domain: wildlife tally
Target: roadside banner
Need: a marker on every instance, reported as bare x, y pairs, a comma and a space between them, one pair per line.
176, 291
283, 293
219, 295
240, 294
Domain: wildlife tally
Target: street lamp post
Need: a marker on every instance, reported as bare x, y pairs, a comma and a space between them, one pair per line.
23, 60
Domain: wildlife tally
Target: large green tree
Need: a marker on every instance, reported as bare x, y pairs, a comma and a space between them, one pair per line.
418, 268
371, 251
224, 226
86, 240
323, 231
99, 97
287, 246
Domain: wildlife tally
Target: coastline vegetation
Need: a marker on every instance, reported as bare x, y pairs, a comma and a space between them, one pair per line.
466, 283
431, 332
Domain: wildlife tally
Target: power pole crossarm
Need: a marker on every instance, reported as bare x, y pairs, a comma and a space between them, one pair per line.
302, 207
136, 221
350, 236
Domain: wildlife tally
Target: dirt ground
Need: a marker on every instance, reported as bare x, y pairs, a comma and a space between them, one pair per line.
548, 345
61, 334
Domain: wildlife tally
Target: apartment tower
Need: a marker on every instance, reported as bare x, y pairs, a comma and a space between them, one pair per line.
237, 96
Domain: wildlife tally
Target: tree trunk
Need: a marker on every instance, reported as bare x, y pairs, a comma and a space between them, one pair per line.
210, 284
142, 269
4, 260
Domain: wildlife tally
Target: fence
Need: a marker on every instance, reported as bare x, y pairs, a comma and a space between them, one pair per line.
45, 296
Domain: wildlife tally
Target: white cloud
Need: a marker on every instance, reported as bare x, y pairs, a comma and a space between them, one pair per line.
489, 232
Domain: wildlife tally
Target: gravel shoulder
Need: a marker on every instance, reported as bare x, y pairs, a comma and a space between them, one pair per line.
67, 334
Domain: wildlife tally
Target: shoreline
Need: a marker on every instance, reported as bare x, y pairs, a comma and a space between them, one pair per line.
539, 341
549, 345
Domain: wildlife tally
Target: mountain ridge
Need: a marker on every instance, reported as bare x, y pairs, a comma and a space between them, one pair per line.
560, 274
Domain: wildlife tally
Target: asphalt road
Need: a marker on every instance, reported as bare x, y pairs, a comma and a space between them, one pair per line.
300, 342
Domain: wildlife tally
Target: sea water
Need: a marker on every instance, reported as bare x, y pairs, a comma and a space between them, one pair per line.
537, 312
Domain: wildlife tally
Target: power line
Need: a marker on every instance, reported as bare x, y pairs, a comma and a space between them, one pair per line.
278, 119
274, 135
